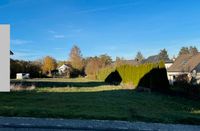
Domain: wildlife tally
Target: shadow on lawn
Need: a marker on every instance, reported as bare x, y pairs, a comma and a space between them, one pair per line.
57, 84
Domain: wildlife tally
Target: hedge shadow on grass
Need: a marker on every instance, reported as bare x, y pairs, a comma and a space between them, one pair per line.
58, 84
156, 79
114, 78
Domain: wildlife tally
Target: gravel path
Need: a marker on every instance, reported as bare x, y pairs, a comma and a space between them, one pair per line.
43, 124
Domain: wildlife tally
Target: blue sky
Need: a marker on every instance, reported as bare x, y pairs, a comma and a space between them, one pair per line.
116, 27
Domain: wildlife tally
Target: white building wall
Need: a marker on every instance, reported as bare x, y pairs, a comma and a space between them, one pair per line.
198, 78
171, 76
167, 65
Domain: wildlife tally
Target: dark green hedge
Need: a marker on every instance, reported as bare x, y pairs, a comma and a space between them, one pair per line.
150, 75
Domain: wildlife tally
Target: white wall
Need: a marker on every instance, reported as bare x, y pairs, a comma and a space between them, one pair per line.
171, 75
5, 57
167, 65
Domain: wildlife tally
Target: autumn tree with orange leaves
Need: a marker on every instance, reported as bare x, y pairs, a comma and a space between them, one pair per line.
49, 64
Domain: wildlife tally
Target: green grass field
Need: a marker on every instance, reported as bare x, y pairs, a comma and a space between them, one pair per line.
86, 99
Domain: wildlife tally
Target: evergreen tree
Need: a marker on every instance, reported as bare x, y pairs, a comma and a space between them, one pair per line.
163, 55
193, 50
188, 50
139, 57
184, 50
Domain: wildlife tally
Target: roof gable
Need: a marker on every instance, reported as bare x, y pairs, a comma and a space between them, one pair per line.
185, 63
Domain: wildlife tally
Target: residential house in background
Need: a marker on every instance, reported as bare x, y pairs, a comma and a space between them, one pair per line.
185, 64
152, 59
156, 58
168, 64
65, 69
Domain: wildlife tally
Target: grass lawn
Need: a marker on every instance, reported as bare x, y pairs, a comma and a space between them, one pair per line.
82, 99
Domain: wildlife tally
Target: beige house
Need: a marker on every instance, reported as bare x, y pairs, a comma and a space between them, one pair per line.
185, 64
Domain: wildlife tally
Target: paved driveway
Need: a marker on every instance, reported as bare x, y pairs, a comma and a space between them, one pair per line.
42, 124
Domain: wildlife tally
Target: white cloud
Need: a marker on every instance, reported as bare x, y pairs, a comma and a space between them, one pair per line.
59, 36
20, 41
56, 35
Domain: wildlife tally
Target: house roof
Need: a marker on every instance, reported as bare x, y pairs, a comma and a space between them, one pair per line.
154, 59
185, 63
64, 66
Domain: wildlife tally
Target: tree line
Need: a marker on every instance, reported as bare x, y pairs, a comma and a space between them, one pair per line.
80, 66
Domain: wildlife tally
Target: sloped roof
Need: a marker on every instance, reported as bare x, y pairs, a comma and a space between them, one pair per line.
151, 59
155, 59
64, 66
185, 63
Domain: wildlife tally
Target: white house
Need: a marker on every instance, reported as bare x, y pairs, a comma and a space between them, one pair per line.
168, 64
64, 68
185, 64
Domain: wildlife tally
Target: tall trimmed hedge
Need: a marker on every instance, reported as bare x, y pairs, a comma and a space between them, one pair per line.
104, 72
150, 75
133, 74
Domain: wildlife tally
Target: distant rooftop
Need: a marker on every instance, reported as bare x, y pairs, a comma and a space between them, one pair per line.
155, 58
185, 63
